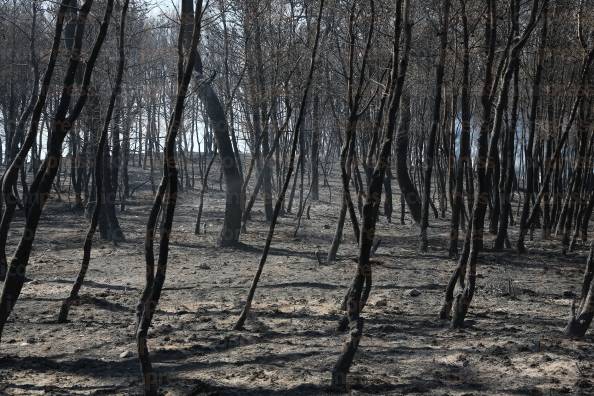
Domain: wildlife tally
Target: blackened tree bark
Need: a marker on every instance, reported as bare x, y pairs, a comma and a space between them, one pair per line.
581, 318
508, 155
588, 58
279, 201
229, 235
407, 187
464, 161
487, 149
530, 163
255, 69
99, 170
10, 176
166, 196
262, 175
458, 276
113, 231
41, 186
203, 191
315, 150
348, 150
430, 148
361, 285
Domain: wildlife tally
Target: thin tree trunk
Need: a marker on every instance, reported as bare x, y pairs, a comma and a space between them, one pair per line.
41, 186
298, 125
166, 197
430, 149
99, 160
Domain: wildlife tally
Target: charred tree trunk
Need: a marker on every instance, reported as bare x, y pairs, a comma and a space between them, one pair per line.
430, 149
229, 235
277, 207
407, 187
10, 176
508, 156
40, 188
99, 160
315, 150
203, 191
584, 76
487, 149
530, 164
464, 162
580, 319
361, 285
459, 274
166, 197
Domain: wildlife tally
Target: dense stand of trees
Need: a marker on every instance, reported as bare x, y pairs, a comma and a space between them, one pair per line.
477, 112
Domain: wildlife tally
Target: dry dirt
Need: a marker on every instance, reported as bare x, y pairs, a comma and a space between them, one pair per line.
513, 343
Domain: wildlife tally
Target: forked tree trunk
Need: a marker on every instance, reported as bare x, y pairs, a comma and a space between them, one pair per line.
346, 158
487, 150
262, 175
459, 274
348, 154
508, 155
361, 285
260, 124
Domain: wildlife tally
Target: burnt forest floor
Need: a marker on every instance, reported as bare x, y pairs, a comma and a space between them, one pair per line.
513, 343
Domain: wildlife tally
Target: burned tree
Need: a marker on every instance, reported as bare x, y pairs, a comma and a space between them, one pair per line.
166, 197
40, 188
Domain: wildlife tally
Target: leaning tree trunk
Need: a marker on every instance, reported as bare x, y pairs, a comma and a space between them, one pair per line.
40, 188
99, 170
508, 155
281, 196
580, 319
229, 235
10, 176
